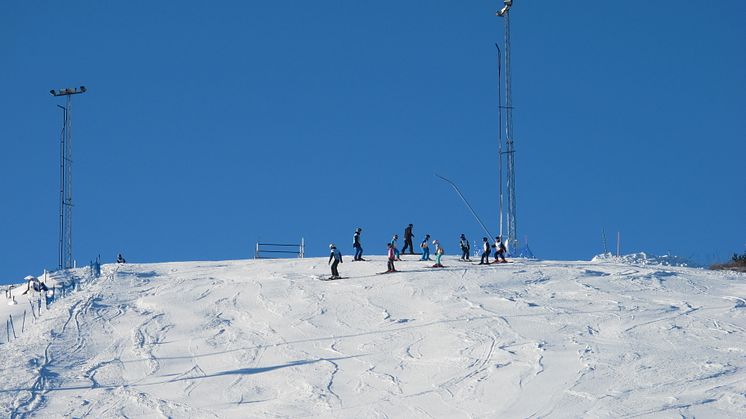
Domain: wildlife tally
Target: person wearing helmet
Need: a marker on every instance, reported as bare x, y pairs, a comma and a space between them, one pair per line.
485, 252
356, 245
425, 246
33, 283
408, 240
335, 258
391, 258
499, 250
438, 254
465, 248
393, 244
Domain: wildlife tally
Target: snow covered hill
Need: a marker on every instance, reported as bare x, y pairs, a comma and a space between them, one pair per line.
243, 339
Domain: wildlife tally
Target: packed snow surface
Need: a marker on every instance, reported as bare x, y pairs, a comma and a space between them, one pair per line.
267, 338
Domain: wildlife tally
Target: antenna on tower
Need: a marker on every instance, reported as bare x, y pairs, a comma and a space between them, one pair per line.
65, 251
512, 239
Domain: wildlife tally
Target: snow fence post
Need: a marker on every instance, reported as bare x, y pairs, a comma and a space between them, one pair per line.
12, 327
23, 325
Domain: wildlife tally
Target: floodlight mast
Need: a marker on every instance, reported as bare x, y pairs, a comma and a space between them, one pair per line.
65, 249
512, 239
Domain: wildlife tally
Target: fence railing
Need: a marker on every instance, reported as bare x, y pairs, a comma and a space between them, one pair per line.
62, 289
276, 250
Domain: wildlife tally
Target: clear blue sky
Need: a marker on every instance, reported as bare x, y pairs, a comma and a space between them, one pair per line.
208, 126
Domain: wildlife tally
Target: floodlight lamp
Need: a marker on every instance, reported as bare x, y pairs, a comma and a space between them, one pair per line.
508, 2
51, 92
83, 89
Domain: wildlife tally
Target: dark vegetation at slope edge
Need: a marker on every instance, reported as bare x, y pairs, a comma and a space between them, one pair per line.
737, 263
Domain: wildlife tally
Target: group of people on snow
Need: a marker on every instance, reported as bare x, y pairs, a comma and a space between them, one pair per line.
393, 254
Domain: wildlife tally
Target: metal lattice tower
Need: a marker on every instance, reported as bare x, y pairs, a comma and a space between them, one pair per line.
65, 251
512, 238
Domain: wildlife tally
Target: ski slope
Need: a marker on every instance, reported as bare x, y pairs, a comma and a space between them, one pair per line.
240, 339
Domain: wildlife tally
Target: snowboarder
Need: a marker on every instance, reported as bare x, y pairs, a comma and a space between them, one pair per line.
438, 254
120, 259
408, 240
465, 248
425, 246
393, 244
356, 244
485, 252
391, 259
34, 284
335, 255
499, 250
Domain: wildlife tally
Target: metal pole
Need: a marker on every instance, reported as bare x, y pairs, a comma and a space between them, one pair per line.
12, 326
66, 178
618, 243
512, 218
467, 204
62, 186
500, 133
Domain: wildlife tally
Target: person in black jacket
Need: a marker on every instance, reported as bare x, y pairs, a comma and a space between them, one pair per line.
335, 255
465, 247
408, 240
485, 252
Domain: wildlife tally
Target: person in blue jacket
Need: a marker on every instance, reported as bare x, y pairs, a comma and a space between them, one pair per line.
425, 246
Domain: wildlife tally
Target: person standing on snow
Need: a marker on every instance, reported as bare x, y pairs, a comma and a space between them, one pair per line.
425, 246
408, 235
393, 244
485, 252
465, 248
438, 254
120, 259
356, 245
499, 250
335, 255
391, 259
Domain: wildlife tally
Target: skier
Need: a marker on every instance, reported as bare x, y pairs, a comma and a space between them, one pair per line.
120, 259
356, 245
425, 248
34, 284
391, 259
465, 248
393, 244
408, 240
485, 252
438, 254
336, 255
499, 250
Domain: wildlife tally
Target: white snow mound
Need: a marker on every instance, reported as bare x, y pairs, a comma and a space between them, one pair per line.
266, 338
